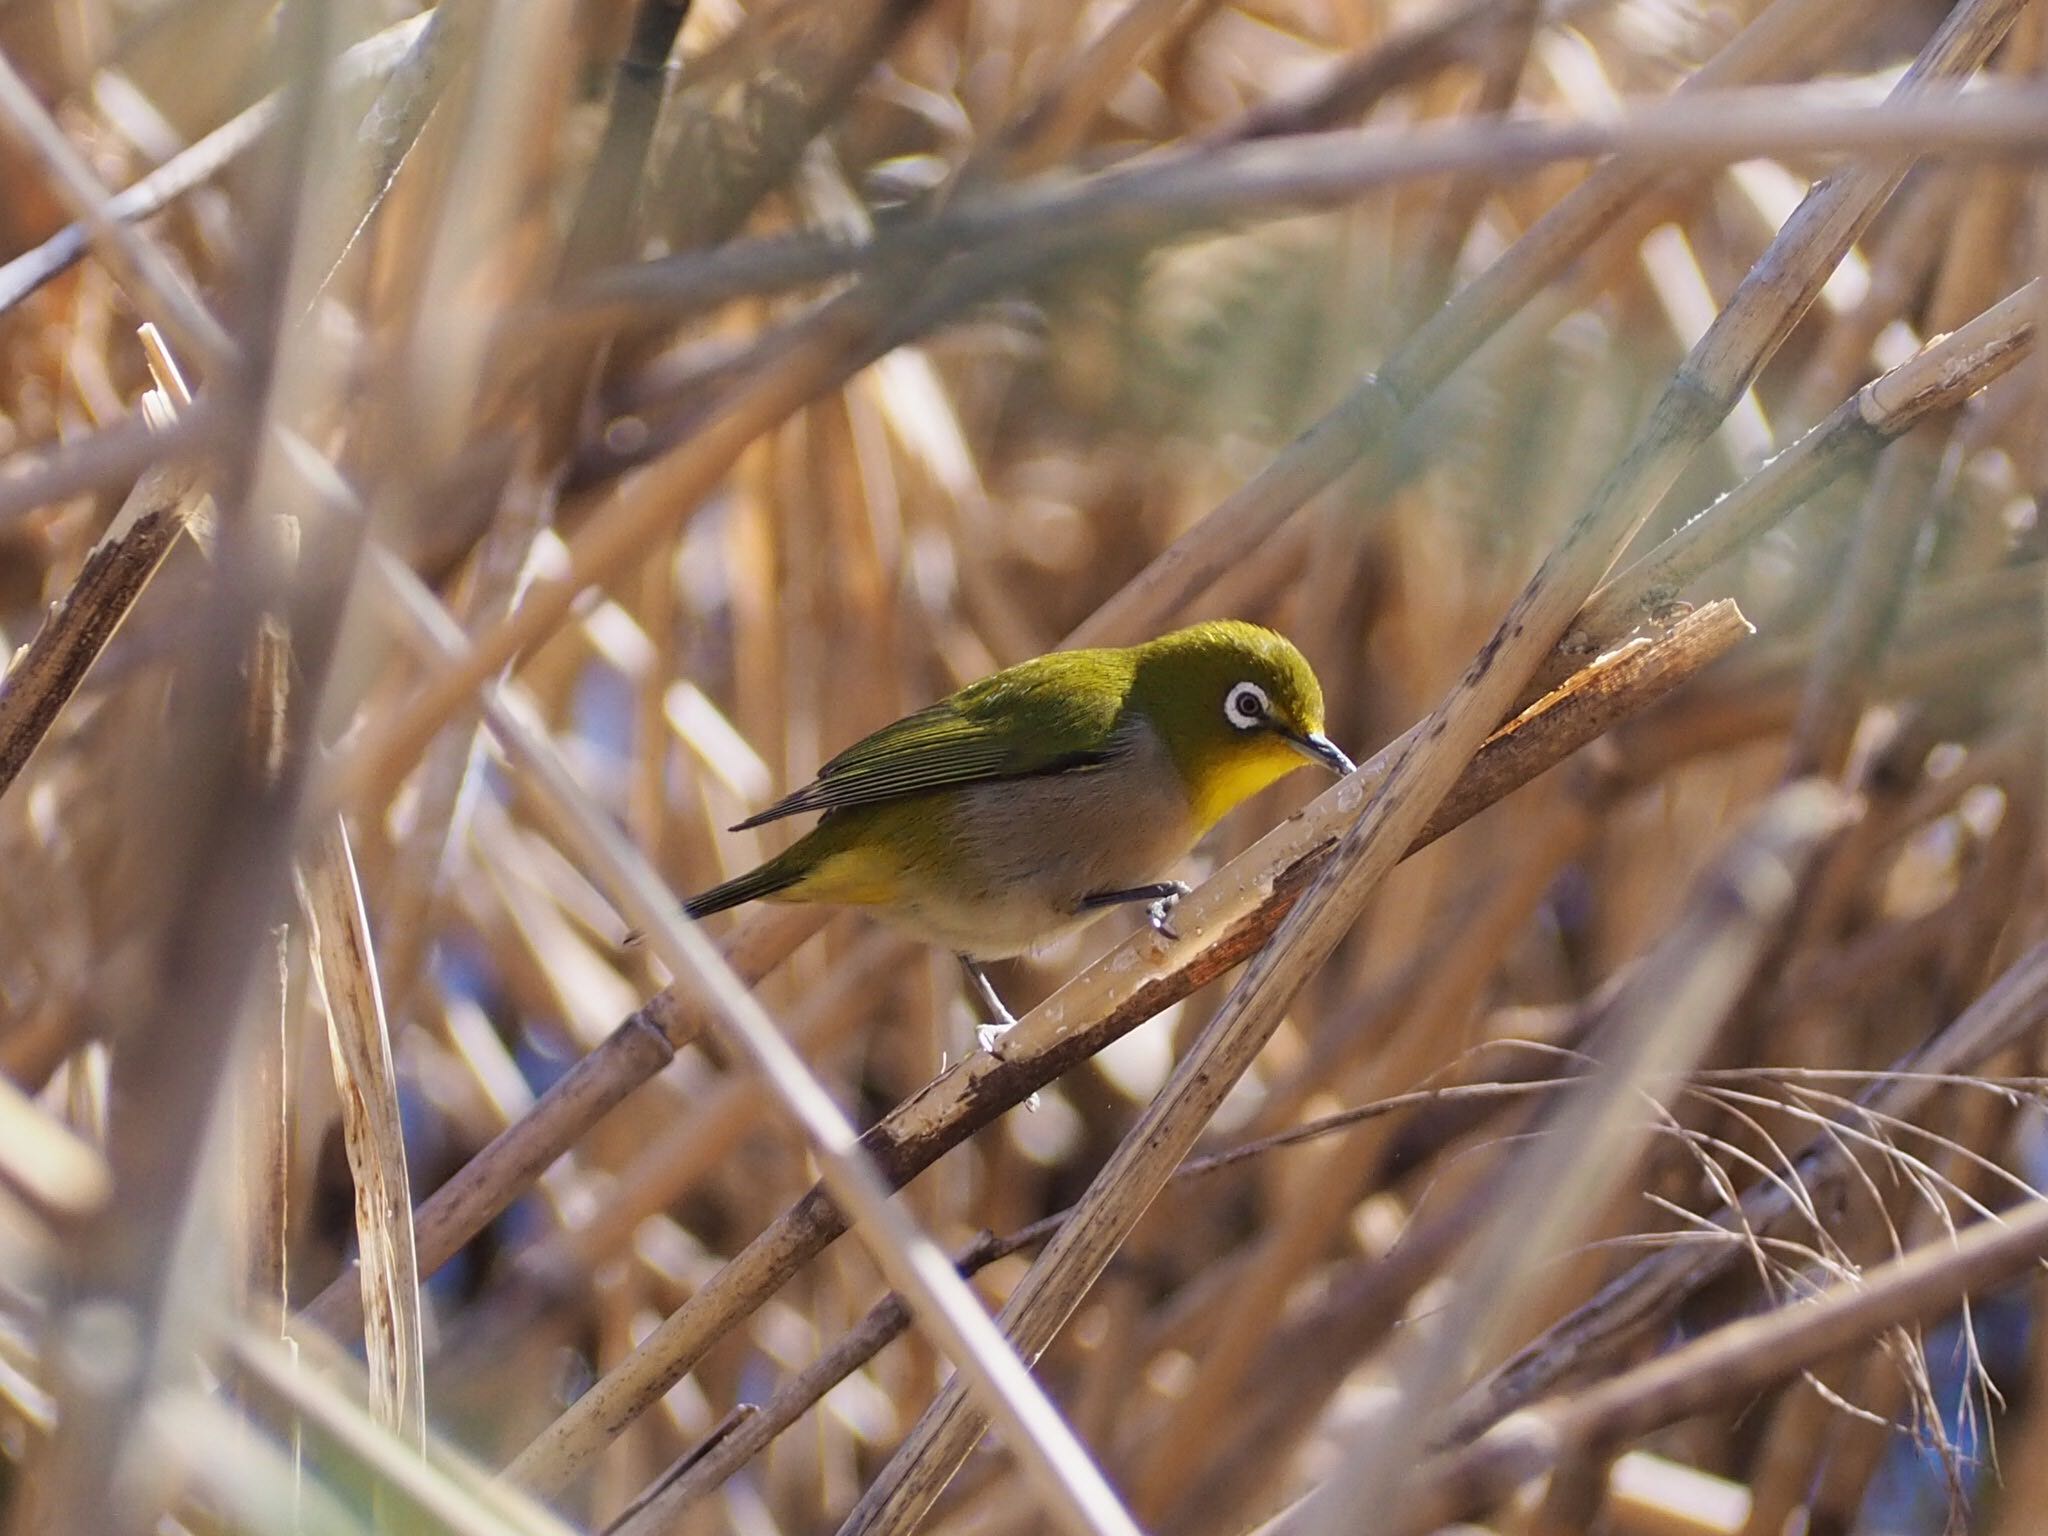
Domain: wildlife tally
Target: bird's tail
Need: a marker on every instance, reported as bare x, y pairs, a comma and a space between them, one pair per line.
771, 879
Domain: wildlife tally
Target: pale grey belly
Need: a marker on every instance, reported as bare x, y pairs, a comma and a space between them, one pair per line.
1030, 850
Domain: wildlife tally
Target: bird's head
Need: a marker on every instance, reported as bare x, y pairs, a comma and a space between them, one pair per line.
1237, 706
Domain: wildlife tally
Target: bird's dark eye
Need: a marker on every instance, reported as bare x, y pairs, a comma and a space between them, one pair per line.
1246, 706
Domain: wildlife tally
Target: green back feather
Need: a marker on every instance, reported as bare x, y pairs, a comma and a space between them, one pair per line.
1053, 714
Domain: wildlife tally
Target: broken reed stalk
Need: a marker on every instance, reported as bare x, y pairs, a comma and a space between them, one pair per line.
48, 670
1226, 919
345, 969
1744, 334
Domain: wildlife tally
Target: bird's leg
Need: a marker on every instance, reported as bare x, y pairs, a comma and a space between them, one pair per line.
999, 1021
1164, 896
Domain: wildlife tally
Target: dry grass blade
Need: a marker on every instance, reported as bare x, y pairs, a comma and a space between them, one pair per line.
344, 964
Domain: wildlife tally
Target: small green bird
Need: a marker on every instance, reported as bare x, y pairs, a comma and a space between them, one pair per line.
1018, 808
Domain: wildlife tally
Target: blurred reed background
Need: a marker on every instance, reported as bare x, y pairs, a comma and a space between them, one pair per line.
563, 419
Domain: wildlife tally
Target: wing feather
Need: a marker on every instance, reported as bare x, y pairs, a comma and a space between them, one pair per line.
1022, 723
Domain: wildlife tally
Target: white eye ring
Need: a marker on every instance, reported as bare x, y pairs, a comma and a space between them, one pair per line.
1246, 706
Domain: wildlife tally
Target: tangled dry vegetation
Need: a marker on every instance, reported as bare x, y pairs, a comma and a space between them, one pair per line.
458, 464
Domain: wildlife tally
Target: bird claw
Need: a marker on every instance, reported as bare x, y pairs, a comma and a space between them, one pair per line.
1160, 913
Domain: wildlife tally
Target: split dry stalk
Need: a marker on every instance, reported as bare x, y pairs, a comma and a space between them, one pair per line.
345, 968
48, 671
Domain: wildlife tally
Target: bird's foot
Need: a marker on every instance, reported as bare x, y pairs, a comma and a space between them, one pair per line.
997, 1020
1160, 913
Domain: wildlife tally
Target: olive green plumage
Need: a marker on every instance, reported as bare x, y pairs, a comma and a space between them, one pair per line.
1001, 816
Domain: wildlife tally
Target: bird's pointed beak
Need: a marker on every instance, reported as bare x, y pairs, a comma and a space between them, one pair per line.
1319, 748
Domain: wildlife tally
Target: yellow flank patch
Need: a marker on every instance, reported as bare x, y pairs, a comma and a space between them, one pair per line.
1240, 771
856, 877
